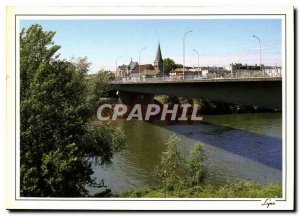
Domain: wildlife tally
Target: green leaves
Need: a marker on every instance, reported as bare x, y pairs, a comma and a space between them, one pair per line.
171, 160
36, 49
195, 164
175, 171
58, 134
58, 168
101, 141
169, 65
81, 65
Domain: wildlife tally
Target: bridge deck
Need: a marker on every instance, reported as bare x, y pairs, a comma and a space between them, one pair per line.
263, 92
254, 79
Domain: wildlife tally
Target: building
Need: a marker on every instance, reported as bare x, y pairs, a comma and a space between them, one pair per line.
177, 74
134, 71
202, 72
121, 71
240, 70
243, 70
147, 71
273, 71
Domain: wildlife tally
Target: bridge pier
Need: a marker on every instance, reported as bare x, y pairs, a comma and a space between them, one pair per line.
130, 99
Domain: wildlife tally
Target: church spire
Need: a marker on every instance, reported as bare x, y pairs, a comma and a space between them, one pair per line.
158, 57
158, 62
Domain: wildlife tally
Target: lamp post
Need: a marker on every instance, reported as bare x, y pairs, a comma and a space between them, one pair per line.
140, 60
117, 63
198, 60
183, 50
260, 65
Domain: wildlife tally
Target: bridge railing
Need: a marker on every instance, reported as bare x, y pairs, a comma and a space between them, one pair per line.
236, 75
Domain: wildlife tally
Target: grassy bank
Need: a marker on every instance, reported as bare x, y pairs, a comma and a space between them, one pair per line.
234, 190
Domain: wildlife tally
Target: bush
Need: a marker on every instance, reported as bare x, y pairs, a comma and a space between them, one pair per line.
163, 99
234, 190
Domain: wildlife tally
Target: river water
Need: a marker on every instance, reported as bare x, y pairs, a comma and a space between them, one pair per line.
238, 147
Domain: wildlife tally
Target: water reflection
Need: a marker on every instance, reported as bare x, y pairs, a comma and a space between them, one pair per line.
259, 148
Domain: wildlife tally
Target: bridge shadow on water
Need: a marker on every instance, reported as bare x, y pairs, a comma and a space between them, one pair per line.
260, 148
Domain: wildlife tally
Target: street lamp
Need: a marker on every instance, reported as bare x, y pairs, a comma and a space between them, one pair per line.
183, 50
198, 60
140, 61
260, 65
117, 63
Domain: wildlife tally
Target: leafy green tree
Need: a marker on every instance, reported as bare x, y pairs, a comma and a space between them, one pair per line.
171, 167
58, 135
169, 65
99, 86
82, 65
176, 172
36, 49
195, 164
178, 66
58, 169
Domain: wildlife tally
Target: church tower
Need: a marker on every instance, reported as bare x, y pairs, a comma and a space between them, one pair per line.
158, 62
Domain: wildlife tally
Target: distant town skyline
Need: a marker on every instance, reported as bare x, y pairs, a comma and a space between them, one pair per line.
218, 41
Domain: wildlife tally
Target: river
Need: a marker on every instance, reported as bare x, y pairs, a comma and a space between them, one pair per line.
238, 147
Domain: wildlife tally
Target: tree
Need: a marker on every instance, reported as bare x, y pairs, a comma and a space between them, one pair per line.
169, 65
82, 65
176, 172
36, 49
178, 66
58, 136
195, 164
171, 167
99, 86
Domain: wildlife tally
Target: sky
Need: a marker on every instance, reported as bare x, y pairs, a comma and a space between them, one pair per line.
218, 41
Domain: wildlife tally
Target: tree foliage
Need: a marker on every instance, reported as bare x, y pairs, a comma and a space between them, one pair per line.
100, 88
169, 65
171, 165
58, 136
195, 164
101, 84
36, 49
82, 65
176, 172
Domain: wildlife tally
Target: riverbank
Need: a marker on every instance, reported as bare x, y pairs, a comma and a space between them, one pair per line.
233, 190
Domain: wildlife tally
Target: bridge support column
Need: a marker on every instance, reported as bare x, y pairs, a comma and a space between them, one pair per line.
131, 98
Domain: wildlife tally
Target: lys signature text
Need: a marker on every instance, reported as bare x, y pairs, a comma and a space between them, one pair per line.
268, 202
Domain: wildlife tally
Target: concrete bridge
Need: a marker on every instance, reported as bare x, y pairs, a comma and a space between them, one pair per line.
263, 92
